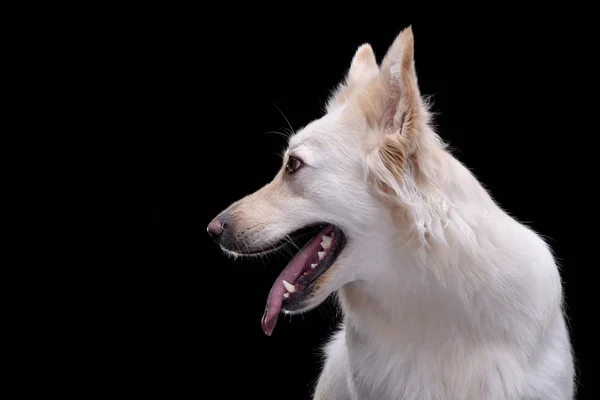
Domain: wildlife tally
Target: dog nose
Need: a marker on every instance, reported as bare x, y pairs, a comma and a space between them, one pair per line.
215, 228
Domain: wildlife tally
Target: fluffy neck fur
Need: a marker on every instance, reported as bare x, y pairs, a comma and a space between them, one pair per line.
453, 256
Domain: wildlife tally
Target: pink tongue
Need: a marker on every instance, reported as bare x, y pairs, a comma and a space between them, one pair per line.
290, 273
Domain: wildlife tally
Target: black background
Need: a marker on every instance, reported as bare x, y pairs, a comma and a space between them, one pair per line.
196, 93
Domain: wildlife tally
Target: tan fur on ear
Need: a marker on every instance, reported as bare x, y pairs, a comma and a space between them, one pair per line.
393, 106
363, 69
364, 66
399, 80
396, 93
393, 154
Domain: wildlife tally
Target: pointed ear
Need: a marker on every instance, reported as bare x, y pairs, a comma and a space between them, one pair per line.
394, 107
397, 104
363, 69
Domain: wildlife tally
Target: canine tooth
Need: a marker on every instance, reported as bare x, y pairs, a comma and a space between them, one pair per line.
289, 287
321, 255
286, 295
326, 243
313, 265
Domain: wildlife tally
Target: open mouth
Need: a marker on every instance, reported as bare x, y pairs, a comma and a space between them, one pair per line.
295, 283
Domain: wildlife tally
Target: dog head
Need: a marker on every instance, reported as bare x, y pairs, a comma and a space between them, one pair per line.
347, 180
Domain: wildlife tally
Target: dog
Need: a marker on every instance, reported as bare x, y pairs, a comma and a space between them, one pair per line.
444, 295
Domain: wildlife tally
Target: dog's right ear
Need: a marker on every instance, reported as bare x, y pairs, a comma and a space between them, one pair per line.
363, 69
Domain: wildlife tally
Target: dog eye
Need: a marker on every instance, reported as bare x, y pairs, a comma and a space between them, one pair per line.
293, 164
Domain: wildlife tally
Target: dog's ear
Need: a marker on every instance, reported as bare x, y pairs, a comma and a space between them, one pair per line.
363, 69
399, 108
394, 107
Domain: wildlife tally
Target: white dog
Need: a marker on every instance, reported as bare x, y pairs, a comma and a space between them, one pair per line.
444, 295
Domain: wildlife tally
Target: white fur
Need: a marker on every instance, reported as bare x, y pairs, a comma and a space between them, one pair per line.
444, 295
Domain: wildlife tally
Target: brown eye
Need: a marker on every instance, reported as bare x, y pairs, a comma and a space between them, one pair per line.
293, 164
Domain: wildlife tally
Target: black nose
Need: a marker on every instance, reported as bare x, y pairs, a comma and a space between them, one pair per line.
215, 228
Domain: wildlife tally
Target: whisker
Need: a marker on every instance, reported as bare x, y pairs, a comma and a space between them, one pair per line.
283, 115
291, 241
285, 135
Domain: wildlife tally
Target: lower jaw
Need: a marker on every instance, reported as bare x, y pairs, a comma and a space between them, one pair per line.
297, 302
300, 300
297, 296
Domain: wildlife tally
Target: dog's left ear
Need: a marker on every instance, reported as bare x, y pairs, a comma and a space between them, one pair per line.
394, 107
399, 108
363, 69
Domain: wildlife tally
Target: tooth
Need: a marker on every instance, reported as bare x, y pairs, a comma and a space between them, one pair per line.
326, 243
321, 254
313, 265
286, 295
289, 287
